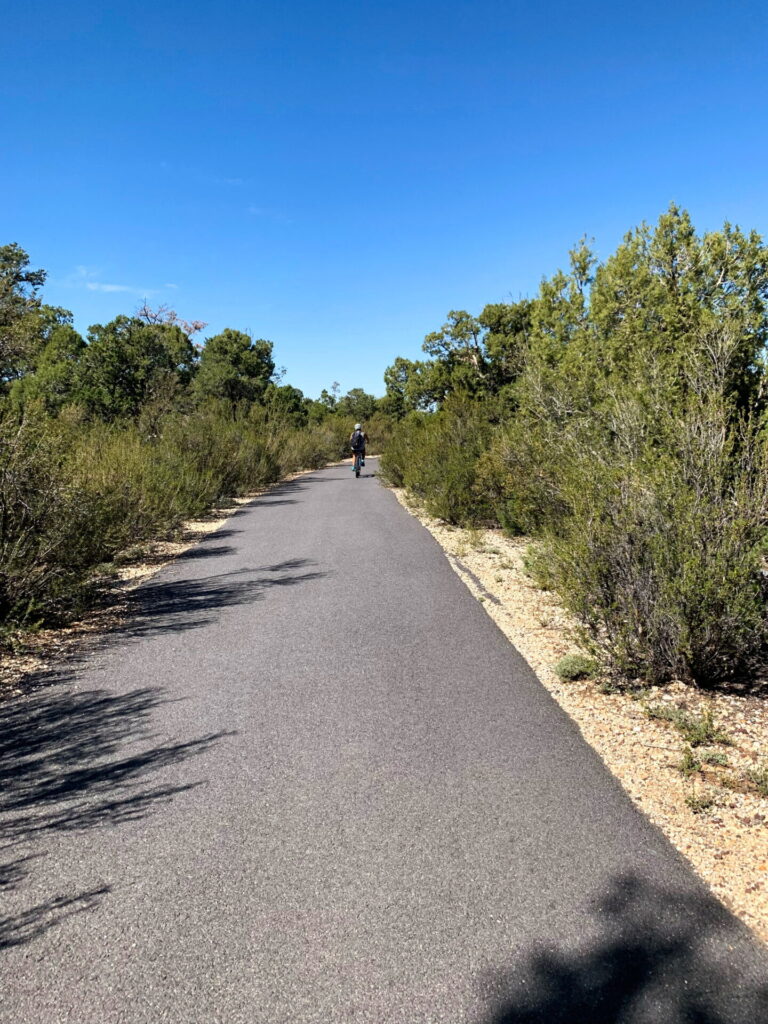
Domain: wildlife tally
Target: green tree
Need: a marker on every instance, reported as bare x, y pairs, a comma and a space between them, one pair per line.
25, 323
357, 404
328, 399
508, 332
286, 404
458, 351
57, 371
234, 367
127, 361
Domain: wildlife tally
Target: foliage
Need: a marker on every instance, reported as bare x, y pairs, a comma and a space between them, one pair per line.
625, 410
689, 763
356, 405
574, 667
234, 367
697, 730
437, 458
758, 776
25, 323
108, 442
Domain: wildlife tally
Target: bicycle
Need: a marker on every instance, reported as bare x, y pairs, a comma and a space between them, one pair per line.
357, 462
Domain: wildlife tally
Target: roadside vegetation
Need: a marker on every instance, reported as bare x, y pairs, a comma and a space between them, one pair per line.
618, 418
113, 439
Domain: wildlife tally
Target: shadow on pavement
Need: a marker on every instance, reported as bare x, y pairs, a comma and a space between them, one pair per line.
68, 762
203, 550
661, 956
30, 924
180, 605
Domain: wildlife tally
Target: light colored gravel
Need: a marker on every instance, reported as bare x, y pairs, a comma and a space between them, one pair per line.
727, 842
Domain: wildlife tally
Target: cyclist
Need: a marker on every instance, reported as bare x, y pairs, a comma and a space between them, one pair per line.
358, 439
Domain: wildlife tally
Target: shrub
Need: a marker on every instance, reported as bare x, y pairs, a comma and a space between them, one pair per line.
759, 778
659, 557
436, 456
698, 730
714, 757
74, 494
407, 437
690, 764
575, 666
700, 802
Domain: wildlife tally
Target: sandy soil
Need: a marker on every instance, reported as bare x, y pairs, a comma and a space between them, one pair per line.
715, 816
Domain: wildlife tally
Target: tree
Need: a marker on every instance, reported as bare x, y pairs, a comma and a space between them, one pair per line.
25, 323
234, 367
669, 300
508, 327
328, 400
357, 404
165, 315
127, 360
407, 387
56, 372
286, 404
458, 348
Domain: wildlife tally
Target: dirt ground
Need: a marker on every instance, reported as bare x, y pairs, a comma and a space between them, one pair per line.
713, 814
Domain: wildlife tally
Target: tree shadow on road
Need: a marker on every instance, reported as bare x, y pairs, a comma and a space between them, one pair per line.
203, 550
180, 605
661, 955
70, 762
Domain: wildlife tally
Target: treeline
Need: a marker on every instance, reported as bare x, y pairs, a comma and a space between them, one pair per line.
116, 438
618, 417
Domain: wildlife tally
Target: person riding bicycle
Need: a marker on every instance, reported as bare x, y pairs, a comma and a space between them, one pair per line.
358, 439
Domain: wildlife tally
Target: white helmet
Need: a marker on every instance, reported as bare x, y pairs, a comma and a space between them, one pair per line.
358, 427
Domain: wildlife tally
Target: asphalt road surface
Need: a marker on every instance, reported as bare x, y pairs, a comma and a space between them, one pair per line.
310, 781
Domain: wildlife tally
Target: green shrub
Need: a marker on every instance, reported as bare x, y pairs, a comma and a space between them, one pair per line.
74, 494
407, 437
714, 757
575, 666
436, 456
698, 730
690, 764
701, 802
759, 778
659, 556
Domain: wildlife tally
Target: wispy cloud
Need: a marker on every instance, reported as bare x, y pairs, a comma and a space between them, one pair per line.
98, 286
87, 277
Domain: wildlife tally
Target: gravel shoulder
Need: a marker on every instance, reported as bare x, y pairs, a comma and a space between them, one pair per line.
714, 817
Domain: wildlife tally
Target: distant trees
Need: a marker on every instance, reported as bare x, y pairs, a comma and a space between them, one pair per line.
109, 440
357, 405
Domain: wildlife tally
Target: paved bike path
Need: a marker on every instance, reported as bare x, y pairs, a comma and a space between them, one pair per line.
311, 781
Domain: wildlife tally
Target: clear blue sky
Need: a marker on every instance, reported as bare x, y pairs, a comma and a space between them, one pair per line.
335, 175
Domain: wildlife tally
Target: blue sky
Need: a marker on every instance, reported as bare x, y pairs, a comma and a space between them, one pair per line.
337, 175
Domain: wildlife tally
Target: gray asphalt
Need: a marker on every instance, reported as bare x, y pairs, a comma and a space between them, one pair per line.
310, 781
